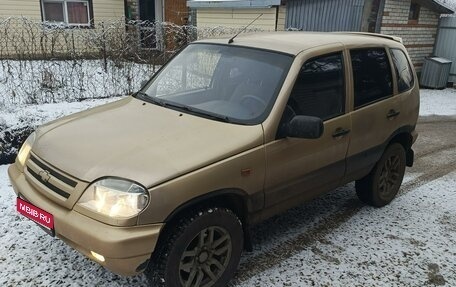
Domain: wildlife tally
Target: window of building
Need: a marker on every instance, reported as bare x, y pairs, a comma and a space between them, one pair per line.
374, 19
372, 75
414, 13
319, 90
71, 12
404, 73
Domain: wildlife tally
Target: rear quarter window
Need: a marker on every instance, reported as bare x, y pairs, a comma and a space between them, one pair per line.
404, 75
372, 76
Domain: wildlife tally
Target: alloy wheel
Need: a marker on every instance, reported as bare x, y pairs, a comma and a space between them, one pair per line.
205, 258
389, 176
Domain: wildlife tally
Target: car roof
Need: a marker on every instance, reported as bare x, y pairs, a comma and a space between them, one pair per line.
293, 42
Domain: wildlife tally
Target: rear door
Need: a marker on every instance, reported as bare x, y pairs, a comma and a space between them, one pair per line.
375, 110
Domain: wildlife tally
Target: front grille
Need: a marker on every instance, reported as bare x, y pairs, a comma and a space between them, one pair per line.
52, 172
48, 176
48, 185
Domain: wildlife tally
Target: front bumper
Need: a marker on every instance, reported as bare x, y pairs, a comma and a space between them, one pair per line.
126, 249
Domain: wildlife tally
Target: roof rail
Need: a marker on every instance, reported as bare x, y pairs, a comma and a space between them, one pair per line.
394, 38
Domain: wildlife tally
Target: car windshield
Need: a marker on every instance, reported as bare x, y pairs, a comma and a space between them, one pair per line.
222, 82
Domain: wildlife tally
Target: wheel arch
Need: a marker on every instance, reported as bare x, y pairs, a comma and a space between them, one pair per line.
404, 137
234, 199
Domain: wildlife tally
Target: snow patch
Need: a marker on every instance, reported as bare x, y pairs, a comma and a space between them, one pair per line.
438, 102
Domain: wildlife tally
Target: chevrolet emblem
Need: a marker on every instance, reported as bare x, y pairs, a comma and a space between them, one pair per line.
44, 174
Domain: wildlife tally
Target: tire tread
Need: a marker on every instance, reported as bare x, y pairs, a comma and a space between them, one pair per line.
156, 270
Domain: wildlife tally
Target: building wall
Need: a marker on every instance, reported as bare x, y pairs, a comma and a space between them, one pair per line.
25, 34
325, 16
239, 18
281, 18
106, 10
446, 42
419, 39
176, 12
103, 10
26, 8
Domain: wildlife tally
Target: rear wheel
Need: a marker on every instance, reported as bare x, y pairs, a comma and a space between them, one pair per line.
382, 184
203, 249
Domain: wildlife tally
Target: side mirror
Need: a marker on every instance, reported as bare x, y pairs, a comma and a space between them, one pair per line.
305, 127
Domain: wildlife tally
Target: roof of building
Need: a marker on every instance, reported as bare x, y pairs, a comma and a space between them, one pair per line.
449, 3
232, 3
293, 42
441, 6
437, 5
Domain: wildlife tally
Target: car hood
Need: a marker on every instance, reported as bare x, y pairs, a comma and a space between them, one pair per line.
139, 141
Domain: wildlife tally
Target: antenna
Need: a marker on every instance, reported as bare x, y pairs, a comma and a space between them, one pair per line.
245, 28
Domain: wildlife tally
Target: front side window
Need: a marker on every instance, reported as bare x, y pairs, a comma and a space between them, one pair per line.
223, 82
71, 12
319, 90
371, 75
404, 75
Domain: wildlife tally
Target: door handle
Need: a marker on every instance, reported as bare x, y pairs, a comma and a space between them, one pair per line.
340, 132
392, 113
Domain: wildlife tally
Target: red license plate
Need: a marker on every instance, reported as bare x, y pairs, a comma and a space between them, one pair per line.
34, 213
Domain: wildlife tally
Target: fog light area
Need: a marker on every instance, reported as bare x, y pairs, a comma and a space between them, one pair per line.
97, 256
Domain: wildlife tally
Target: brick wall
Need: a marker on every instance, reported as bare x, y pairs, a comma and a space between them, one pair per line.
419, 37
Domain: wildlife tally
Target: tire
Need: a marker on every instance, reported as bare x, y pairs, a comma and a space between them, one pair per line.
382, 184
212, 240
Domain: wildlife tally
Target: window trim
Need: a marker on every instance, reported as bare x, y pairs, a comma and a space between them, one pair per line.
65, 22
389, 60
394, 69
344, 79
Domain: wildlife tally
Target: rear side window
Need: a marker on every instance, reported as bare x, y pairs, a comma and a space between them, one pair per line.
404, 73
319, 90
372, 75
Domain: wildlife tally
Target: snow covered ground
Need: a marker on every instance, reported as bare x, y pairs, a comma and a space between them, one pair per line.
331, 241
411, 242
38, 82
16, 119
36, 115
438, 102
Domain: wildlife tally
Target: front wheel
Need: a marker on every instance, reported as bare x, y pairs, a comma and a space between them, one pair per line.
202, 249
382, 184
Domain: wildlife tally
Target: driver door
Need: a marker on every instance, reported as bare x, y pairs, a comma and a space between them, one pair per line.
299, 169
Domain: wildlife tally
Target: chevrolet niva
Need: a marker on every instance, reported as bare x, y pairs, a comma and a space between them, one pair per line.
169, 180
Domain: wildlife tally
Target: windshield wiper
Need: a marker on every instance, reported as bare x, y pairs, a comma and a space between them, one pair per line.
216, 117
181, 107
197, 111
177, 106
150, 99
141, 94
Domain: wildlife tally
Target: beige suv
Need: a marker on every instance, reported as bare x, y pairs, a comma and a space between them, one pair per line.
228, 133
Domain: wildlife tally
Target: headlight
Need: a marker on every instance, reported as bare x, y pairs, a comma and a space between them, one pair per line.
114, 197
25, 149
